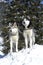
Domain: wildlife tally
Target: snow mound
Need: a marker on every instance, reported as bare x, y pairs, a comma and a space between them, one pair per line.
1, 53
27, 56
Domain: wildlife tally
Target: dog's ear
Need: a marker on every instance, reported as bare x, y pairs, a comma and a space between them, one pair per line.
28, 17
10, 24
14, 25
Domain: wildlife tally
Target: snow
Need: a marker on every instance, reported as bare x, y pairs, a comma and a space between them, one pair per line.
1, 41
1, 53
27, 56
1, 48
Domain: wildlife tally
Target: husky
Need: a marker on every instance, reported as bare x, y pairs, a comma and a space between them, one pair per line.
14, 37
28, 33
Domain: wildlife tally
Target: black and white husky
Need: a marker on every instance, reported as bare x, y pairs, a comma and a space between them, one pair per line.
28, 33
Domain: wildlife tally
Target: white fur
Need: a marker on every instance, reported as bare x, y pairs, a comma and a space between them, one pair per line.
29, 36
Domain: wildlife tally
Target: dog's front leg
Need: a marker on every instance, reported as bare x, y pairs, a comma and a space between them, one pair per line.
17, 45
11, 45
31, 42
26, 42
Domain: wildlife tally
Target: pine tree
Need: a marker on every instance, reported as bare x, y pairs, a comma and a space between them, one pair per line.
3, 26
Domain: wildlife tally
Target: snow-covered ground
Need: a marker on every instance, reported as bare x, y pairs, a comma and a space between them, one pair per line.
24, 57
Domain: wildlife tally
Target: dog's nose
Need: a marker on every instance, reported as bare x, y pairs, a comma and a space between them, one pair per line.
23, 22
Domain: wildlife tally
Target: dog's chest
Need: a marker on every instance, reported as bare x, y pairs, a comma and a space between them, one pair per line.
27, 31
14, 38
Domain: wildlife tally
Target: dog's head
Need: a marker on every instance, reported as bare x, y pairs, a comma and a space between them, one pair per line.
26, 22
13, 28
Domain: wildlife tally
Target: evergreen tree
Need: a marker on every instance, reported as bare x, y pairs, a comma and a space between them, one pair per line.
3, 26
